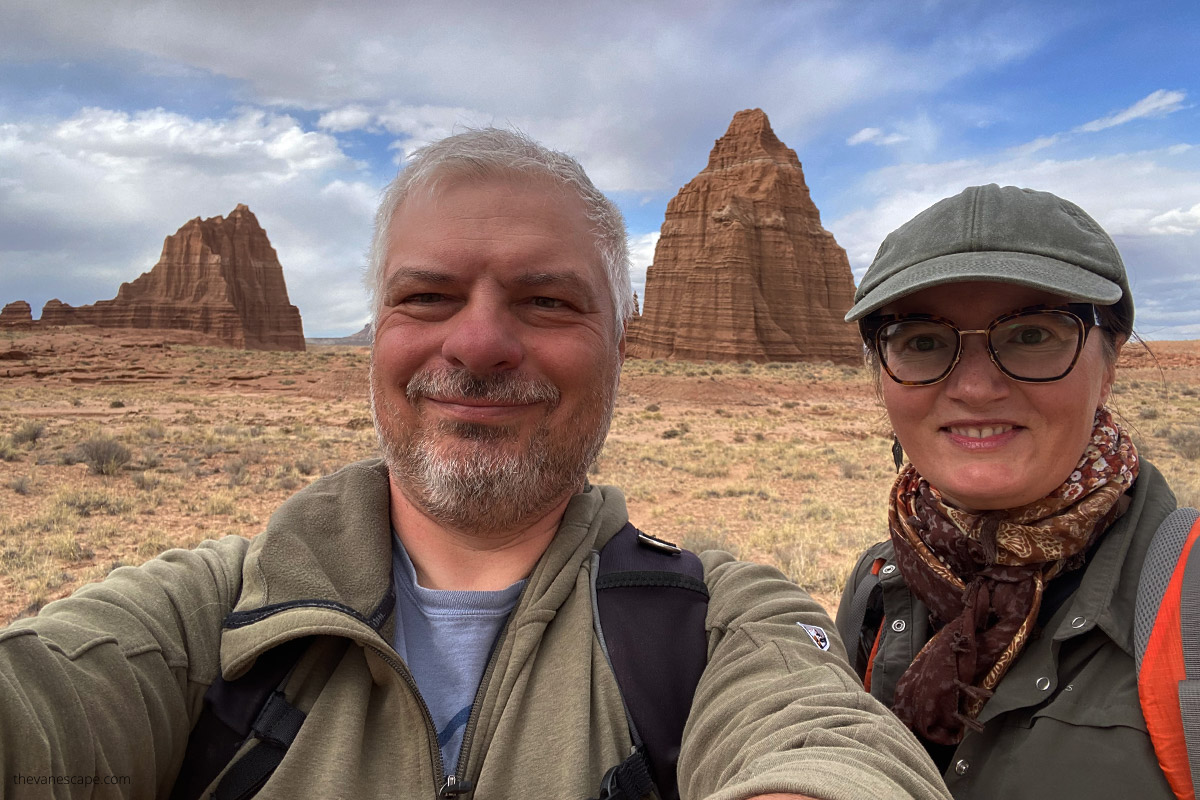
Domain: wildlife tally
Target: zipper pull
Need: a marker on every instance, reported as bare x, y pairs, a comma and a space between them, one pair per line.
454, 787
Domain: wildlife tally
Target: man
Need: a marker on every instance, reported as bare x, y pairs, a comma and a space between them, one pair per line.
446, 587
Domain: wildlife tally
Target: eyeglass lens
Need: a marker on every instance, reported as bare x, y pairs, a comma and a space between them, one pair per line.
1037, 345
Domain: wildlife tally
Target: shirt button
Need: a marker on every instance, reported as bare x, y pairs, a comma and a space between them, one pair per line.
898, 626
1078, 623
1043, 683
889, 569
961, 766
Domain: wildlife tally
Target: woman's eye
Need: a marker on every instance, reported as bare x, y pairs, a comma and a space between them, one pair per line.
1031, 335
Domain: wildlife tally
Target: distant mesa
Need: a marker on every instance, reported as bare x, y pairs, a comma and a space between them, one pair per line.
16, 315
743, 269
361, 339
219, 277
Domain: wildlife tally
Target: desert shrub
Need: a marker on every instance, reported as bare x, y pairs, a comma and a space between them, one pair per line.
29, 432
672, 433
22, 484
307, 465
238, 471
1148, 412
1186, 442
117, 404
144, 481
652, 407
849, 469
220, 506
88, 503
105, 455
8, 452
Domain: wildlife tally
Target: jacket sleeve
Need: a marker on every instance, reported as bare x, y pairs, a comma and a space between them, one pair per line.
774, 712
98, 692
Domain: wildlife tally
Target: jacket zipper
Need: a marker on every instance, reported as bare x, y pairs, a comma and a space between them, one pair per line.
450, 786
457, 783
445, 784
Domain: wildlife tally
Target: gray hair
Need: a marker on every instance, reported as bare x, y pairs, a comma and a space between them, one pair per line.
491, 153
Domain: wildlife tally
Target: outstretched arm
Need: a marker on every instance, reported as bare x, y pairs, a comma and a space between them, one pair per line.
98, 692
776, 713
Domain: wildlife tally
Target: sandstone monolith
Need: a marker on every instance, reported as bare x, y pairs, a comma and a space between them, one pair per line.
17, 314
219, 276
743, 269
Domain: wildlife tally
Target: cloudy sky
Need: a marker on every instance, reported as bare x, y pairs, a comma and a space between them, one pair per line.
120, 120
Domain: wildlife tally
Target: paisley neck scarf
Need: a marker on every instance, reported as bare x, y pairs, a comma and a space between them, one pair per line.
982, 574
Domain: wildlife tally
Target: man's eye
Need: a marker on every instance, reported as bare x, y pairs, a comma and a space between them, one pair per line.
424, 298
548, 302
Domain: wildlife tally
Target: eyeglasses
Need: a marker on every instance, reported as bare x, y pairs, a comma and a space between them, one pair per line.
1033, 345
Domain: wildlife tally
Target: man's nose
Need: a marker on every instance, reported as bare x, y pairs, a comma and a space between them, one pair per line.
483, 337
976, 379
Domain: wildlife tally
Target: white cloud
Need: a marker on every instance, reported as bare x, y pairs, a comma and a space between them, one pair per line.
876, 136
347, 118
641, 256
635, 90
1155, 104
1177, 221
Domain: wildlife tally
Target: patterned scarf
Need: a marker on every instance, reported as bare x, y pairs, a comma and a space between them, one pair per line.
982, 575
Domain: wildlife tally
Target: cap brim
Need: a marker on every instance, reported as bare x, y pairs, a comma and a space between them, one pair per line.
1023, 269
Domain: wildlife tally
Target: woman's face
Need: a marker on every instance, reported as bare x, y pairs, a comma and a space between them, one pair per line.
982, 439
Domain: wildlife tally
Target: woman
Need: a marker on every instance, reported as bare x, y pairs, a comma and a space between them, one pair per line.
1000, 627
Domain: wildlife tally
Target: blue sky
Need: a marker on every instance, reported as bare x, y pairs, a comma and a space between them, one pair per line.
121, 120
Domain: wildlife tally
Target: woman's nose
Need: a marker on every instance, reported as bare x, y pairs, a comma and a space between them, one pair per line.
976, 379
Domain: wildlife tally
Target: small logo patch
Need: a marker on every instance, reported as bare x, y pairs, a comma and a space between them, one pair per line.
817, 634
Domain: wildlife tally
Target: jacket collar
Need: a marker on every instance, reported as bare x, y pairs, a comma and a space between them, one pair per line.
323, 564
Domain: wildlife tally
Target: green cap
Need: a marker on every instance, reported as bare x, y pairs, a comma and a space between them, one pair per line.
1004, 234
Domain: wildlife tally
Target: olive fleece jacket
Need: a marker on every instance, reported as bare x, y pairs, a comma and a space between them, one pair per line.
1065, 720
109, 681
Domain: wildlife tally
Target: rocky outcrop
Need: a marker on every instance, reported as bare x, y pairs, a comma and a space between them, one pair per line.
743, 269
16, 315
219, 277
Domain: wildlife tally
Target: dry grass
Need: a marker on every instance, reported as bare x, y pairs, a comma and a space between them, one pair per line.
784, 463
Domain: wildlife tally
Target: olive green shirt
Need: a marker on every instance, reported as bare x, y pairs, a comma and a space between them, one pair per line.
1065, 721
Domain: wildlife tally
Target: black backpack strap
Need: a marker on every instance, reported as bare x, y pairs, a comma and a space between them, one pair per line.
650, 602
850, 626
234, 711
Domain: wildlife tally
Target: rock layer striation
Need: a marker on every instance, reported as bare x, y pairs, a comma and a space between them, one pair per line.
743, 269
16, 314
219, 276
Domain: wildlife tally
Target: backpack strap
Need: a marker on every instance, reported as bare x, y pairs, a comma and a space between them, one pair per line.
649, 604
850, 625
233, 712
1167, 648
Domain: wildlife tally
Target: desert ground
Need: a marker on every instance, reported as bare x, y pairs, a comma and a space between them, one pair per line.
118, 445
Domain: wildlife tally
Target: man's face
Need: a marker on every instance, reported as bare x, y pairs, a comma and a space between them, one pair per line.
495, 363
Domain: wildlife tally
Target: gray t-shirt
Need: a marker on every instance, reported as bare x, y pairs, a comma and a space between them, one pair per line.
445, 637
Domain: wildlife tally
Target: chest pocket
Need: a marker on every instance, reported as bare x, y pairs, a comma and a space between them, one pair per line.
1098, 688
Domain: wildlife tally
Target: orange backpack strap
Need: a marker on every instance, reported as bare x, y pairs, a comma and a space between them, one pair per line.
1167, 648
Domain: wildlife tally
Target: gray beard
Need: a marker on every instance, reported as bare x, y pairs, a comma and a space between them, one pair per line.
476, 478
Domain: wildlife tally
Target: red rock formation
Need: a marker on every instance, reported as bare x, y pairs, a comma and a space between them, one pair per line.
743, 270
16, 315
218, 276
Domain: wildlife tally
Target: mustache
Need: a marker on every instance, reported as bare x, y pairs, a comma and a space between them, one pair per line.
500, 387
